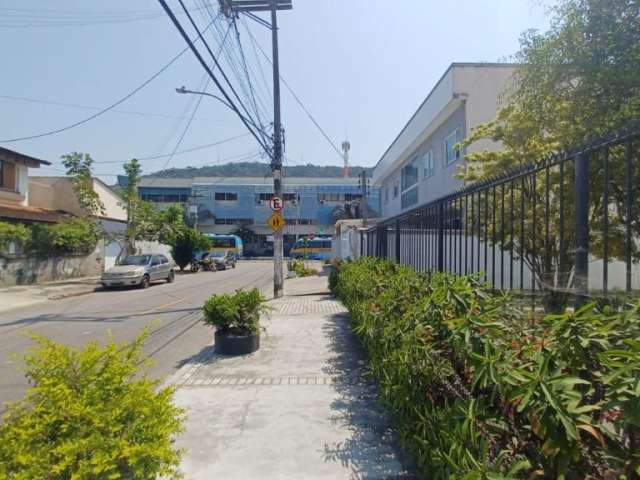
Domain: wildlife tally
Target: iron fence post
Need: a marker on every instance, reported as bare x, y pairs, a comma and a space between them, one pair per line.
361, 243
397, 239
441, 237
581, 253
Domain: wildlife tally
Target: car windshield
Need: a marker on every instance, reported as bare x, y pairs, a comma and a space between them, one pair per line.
136, 260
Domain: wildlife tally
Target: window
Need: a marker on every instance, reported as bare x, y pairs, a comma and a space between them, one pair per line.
429, 165
226, 197
409, 198
163, 259
165, 198
350, 197
451, 154
386, 195
330, 197
290, 197
7, 175
409, 174
396, 189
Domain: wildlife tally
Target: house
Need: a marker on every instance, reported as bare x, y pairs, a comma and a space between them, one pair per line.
225, 203
56, 193
420, 165
14, 190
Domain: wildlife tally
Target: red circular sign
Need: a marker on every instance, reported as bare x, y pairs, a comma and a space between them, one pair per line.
276, 204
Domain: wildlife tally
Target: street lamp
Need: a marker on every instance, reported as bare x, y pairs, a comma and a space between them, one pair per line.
184, 90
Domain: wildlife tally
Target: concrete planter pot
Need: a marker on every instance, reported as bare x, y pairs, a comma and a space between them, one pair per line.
230, 344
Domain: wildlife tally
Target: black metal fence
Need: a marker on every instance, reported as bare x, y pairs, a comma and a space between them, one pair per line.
568, 224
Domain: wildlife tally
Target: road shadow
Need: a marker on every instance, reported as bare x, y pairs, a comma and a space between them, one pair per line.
372, 451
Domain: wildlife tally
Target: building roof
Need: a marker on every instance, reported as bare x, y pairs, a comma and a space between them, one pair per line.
159, 182
7, 154
153, 182
431, 98
30, 214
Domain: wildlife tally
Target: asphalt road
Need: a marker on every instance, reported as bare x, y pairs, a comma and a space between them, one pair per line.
172, 310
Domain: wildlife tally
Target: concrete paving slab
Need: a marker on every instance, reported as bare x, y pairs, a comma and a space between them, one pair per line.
301, 407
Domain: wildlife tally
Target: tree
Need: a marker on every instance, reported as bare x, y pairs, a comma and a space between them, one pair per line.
186, 244
133, 170
78, 167
578, 81
170, 222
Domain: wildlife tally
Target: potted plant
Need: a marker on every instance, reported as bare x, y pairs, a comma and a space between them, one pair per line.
236, 318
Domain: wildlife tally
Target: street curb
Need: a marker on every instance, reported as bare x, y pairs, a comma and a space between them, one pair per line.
62, 296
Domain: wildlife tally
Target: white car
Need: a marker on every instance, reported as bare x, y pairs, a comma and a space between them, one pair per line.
139, 270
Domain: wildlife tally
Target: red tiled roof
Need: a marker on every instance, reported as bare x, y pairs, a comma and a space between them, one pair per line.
30, 214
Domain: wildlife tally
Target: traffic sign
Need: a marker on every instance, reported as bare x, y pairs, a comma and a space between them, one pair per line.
276, 204
276, 221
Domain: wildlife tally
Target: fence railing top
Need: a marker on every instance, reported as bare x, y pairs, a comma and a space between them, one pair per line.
513, 173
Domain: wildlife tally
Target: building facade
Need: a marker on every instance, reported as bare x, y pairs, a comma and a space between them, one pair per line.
223, 205
420, 165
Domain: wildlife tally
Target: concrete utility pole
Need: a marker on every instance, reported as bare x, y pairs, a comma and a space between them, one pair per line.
229, 8
276, 164
364, 188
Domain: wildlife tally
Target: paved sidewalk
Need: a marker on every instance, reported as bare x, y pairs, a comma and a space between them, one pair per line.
299, 408
26, 295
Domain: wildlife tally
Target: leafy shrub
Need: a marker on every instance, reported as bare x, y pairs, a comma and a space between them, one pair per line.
76, 235
92, 414
300, 268
185, 245
237, 313
481, 392
13, 232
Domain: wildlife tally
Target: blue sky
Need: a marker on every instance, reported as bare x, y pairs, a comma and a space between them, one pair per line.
359, 66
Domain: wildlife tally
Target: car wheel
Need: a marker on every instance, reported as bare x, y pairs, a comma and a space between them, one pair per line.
233, 265
172, 276
145, 282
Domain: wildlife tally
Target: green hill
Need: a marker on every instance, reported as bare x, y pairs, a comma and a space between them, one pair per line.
257, 169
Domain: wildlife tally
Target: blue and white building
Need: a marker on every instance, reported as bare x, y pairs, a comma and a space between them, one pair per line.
225, 203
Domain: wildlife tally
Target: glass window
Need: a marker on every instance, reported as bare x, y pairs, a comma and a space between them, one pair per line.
136, 260
429, 164
409, 198
396, 189
386, 195
409, 174
226, 197
451, 154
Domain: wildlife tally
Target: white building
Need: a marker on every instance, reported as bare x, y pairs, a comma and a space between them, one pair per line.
420, 165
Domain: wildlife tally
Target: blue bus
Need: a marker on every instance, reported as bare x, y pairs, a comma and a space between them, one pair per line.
318, 248
229, 243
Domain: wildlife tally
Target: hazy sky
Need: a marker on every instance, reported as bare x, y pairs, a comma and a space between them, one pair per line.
359, 66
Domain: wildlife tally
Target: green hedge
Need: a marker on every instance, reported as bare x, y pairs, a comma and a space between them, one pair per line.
73, 236
482, 391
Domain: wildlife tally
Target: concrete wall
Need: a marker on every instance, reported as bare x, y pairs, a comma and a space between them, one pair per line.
25, 270
56, 193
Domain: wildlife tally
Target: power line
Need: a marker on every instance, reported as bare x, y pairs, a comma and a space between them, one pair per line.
89, 107
311, 117
104, 110
181, 152
31, 18
206, 67
215, 60
195, 110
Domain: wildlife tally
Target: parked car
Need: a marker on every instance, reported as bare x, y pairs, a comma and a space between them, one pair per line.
139, 270
223, 259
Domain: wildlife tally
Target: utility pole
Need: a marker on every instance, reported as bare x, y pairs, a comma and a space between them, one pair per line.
233, 7
276, 164
364, 189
